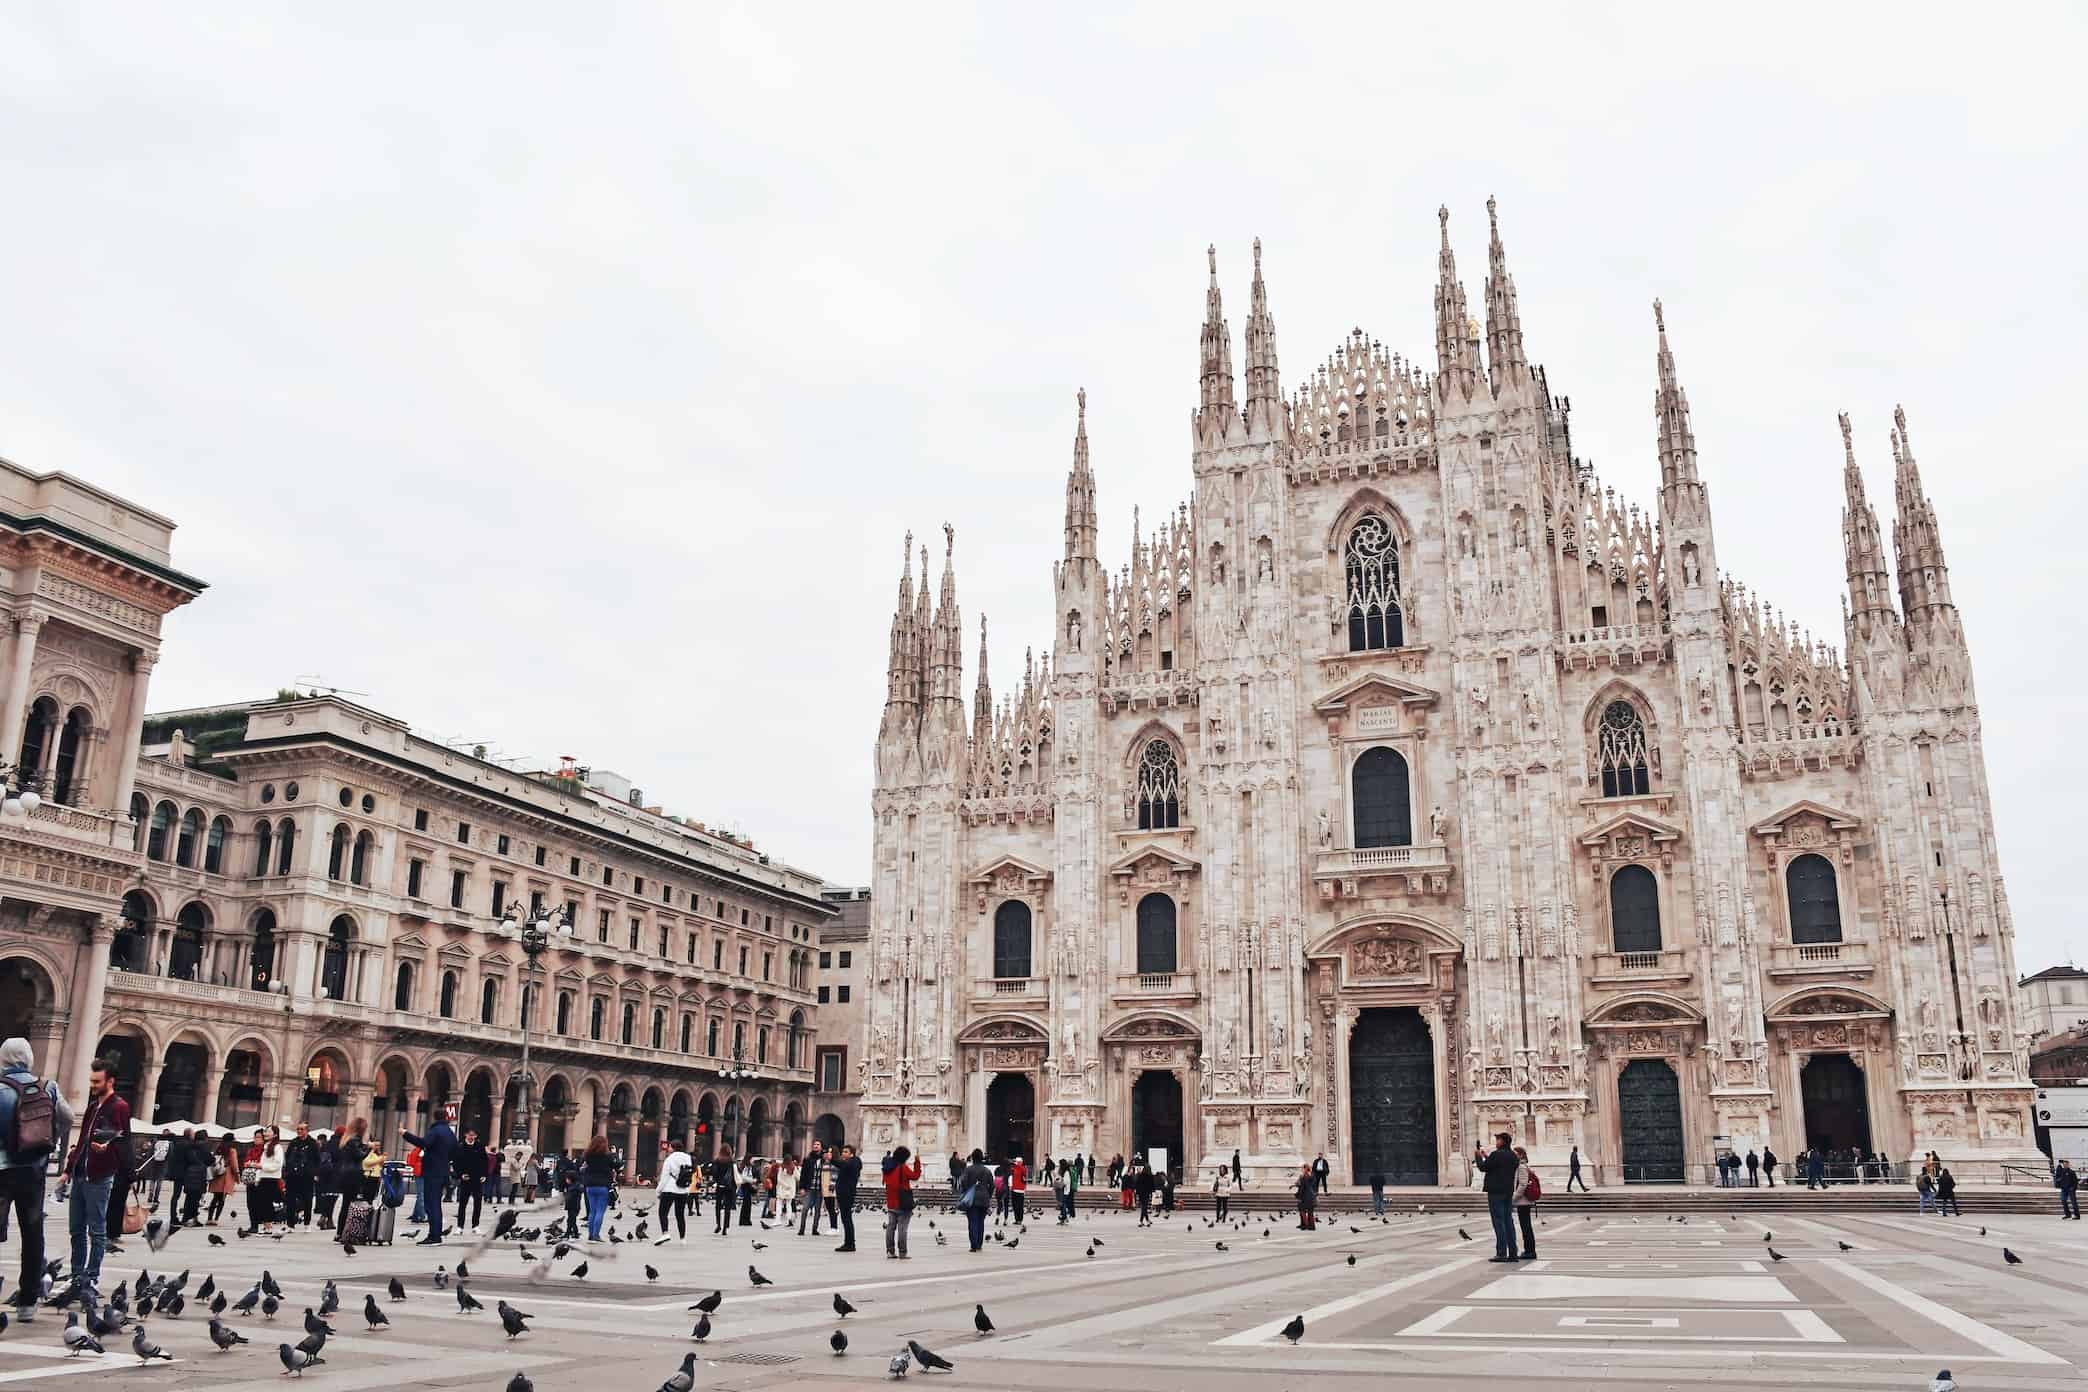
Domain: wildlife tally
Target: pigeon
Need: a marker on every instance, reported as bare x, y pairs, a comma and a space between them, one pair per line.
579, 1273
269, 1306
520, 1383
702, 1329
441, 1277
247, 1302
2011, 1258
1843, 1245
942, 1241
174, 1305
652, 1273
158, 1235
512, 1320
710, 1303
223, 1335
761, 1246
1091, 1249
505, 1225
269, 1286
1463, 1234
901, 1361
842, 1307
1352, 1259
558, 1253
315, 1325
215, 1241
1982, 1232
207, 1289
147, 1350
463, 1271
1775, 1255
296, 1360
372, 1316
1013, 1243
929, 1359
78, 1339
312, 1343
756, 1277
329, 1300
396, 1290
838, 1342
1942, 1381
1768, 1237
1223, 1248
1295, 1330
465, 1302
683, 1378
1098, 1242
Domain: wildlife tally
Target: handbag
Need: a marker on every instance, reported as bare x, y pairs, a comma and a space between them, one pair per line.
250, 1175
964, 1200
134, 1216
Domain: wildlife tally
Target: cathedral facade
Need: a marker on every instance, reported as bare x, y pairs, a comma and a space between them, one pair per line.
1407, 785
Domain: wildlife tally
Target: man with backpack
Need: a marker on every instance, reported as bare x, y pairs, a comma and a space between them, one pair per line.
32, 1118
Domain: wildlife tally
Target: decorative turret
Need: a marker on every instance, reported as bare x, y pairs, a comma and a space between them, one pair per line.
1924, 576
1506, 363
1080, 495
1217, 415
902, 680
1265, 411
1457, 367
1863, 550
1685, 504
1678, 463
982, 697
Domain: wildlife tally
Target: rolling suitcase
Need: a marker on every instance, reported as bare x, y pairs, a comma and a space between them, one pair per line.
358, 1224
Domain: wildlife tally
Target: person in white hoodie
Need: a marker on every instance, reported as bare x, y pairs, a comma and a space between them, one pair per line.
1221, 1190
673, 1193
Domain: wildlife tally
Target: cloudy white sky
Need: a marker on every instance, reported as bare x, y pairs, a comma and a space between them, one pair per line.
564, 377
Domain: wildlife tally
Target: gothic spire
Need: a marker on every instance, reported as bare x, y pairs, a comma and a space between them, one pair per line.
1215, 415
1924, 576
1504, 338
1678, 462
982, 700
1863, 543
1265, 412
1080, 493
1455, 366
902, 682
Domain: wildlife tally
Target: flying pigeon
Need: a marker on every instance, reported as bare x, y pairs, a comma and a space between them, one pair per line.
683, 1378
296, 1360
223, 1335
1295, 1330
838, 1343
373, 1316
842, 1307
147, 1350
756, 1277
929, 1360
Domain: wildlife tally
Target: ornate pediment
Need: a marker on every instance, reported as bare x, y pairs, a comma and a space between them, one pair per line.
1154, 865
1646, 1008
1631, 836
1806, 810
412, 942
1003, 1030
453, 954
1373, 689
1008, 877
1148, 1027
1836, 1002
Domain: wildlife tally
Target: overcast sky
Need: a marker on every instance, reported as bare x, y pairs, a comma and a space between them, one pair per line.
564, 377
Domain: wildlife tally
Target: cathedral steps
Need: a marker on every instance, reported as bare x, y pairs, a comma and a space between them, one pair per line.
1643, 1198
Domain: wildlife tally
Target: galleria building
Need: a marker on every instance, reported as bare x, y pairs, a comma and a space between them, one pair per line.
1408, 786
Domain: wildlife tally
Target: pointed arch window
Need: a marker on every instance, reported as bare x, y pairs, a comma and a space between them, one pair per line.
1370, 561
1620, 750
1815, 902
1635, 910
1159, 787
1383, 799
1011, 940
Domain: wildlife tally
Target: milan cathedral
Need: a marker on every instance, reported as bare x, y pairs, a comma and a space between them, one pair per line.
1408, 785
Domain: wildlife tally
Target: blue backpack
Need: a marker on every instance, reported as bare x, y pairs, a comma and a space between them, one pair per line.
391, 1187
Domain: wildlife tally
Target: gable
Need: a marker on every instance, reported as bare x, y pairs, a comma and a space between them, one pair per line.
1835, 819
1632, 824
1373, 688
1151, 861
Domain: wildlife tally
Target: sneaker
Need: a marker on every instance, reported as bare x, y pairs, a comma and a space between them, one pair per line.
429, 1242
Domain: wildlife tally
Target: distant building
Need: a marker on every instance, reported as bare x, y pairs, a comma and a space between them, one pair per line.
2054, 999
2060, 1060
842, 978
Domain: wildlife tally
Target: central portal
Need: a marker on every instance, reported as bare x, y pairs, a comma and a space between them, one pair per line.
1392, 1118
1837, 1106
1156, 1117
1011, 1117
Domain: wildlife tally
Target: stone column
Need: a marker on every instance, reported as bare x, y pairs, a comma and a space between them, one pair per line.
133, 729
11, 721
148, 1089
90, 988
213, 1088
630, 1148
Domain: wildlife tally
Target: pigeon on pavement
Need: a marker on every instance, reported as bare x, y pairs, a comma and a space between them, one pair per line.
702, 1329
1775, 1255
296, 1360
1295, 1330
2011, 1258
842, 1307
145, 1348
315, 1325
756, 1277
980, 1321
710, 1303
223, 1335
579, 1273
372, 1316
329, 1300
1942, 1381
929, 1359
78, 1339
466, 1302
1843, 1245
397, 1291
901, 1361
513, 1320
520, 1383
838, 1343
683, 1377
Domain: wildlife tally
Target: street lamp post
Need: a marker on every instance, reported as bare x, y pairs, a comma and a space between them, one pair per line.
535, 933
740, 1072
18, 795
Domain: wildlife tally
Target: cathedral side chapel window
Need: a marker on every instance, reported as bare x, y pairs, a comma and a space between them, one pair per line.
1011, 940
1371, 561
1621, 751
1383, 799
1815, 902
1635, 910
1159, 787
1157, 942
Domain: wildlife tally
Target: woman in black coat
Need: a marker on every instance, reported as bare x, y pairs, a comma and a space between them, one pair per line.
1308, 1196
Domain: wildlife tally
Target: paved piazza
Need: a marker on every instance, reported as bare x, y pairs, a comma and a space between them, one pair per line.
1611, 1300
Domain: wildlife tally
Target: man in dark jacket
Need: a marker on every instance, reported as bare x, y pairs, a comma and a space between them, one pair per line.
188, 1170
436, 1147
808, 1188
1769, 1166
470, 1165
724, 1189
1499, 1169
848, 1172
976, 1181
1320, 1170
300, 1172
22, 1176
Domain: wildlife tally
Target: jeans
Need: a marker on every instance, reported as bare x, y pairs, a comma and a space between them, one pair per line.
22, 1192
721, 1209
1221, 1203
1377, 1203
1501, 1209
2069, 1207
896, 1221
1926, 1200
844, 1213
975, 1224
1573, 1178
1529, 1236
809, 1212
1016, 1197
435, 1208
87, 1214
597, 1207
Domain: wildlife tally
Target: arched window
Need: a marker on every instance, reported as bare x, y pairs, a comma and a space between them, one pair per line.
1635, 910
659, 1028
597, 1015
333, 967
189, 838
135, 930
761, 1037
67, 785
359, 859
162, 829
739, 1038
141, 814
1159, 787
186, 962
261, 957
264, 837
1620, 749
402, 988
1156, 935
36, 733
489, 1000
630, 1023
337, 851
711, 1038
1011, 939
286, 842
1383, 800
446, 1007
1815, 902
565, 1012
525, 1016
1371, 561
688, 1029
214, 847
790, 1038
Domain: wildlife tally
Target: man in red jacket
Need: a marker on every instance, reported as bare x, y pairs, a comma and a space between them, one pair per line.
1018, 1176
899, 1180
90, 1172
